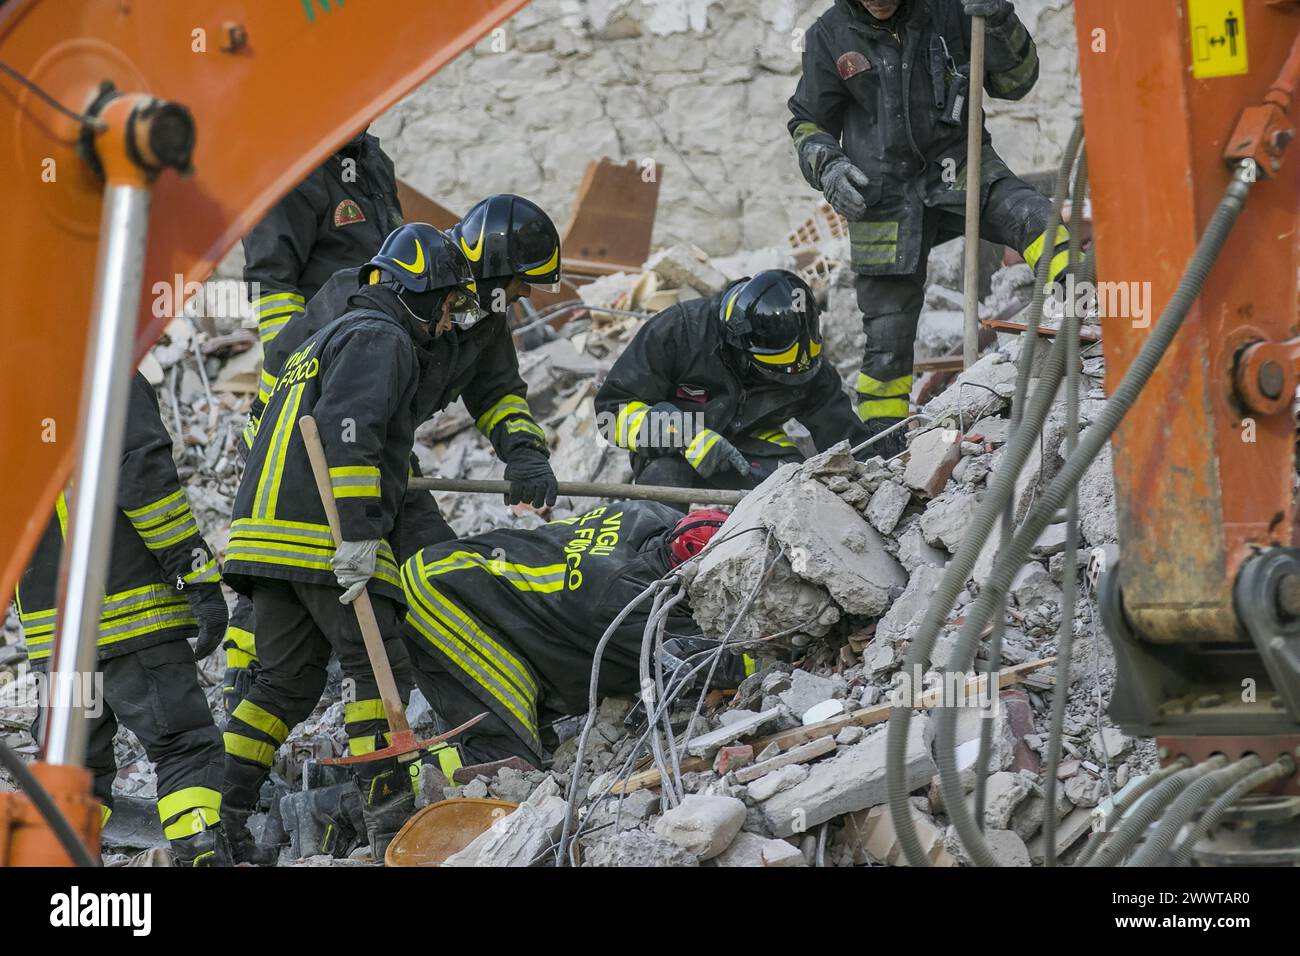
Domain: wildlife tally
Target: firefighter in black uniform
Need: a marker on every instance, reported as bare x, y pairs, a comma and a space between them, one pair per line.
508, 621
369, 378
701, 395
334, 219
163, 588
879, 123
512, 246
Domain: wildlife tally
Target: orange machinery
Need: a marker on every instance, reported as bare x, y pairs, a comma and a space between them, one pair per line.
1204, 610
204, 114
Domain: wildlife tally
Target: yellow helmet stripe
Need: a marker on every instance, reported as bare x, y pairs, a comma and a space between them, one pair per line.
784, 358
416, 267
549, 265
476, 253
732, 304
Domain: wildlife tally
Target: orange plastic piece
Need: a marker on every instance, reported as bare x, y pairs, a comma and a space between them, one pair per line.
443, 828
25, 838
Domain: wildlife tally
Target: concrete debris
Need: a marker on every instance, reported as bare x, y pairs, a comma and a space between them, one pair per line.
687, 267
871, 838
945, 521
743, 726
750, 849
635, 848
854, 779
795, 755
981, 390
1007, 847
773, 783
521, 837
931, 459
702, 825
805, 691
887, 506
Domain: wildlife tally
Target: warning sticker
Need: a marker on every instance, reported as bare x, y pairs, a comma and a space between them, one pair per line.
1218, 38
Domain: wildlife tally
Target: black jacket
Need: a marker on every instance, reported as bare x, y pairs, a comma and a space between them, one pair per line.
335, 219
360, 377
516, 615
679, 357
874, 92
157, 549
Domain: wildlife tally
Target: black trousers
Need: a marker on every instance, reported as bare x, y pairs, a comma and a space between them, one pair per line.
154, 693
298, 627
1015, 214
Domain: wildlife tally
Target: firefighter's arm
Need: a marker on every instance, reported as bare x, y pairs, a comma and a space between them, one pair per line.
367, 373
276, 251
498, 398
1010, 54
828, 414
150, 495
817, 110
632, 407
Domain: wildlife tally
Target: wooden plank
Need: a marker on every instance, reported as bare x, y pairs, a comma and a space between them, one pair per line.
859, 718
614, 215
417, 207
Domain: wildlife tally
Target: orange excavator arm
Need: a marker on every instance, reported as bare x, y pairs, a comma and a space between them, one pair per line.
274, 86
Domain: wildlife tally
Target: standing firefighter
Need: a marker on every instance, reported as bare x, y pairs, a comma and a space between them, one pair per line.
508, 622
163, 588
334, 219
701, 395
879, 123
366, 379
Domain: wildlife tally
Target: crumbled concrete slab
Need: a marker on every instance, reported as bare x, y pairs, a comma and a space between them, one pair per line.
946, 520
634, 848
1006, 846
871, 836
1004, 792
887, 506
914, 551
769, 785
853, 779
994, 373
702, 825
520, 837
750, 849
1072, 828
805, 690
828, 544
906, 613
1098, 520
823, 711
686, 266
795, 755
931, 458
743, 726
1033, 585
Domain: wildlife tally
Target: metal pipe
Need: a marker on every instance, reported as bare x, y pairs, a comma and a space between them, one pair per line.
590, 489
102, 421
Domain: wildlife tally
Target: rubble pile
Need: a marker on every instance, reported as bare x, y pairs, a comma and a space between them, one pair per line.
789, 771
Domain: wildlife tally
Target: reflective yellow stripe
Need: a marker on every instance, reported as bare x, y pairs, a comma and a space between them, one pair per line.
355, 481
262, 754
1060, 262
271, 298
449, 761
360, 710
521, 424
1035, 249
126, 614
700, 446
750, 663
360, 746
250, 431
242, 639
548, 266
784, 358
628, 422
546, 579
883, 408
268, 483
505, 406
195, 821
163, 508
188, 799
875, 388
61, 509
105, 812
265, 387
775, 437
260, 719
206, 574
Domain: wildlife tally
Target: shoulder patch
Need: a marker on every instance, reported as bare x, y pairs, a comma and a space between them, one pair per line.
851, 64
348, 212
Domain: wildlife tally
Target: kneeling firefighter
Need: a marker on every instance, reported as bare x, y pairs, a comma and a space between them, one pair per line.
701, 396
366, 378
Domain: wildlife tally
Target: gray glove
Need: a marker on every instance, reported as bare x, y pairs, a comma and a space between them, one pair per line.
354, 565
989, 9
842, 185
721, 455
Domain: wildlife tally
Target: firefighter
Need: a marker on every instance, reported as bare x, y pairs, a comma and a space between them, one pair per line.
512, 246
508, 622
701, 395
334, 219
368, 379
879, 124
163, 587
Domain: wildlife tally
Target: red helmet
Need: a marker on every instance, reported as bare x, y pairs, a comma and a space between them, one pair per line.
692, 533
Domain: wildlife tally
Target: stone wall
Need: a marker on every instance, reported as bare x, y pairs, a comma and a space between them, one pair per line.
697, 85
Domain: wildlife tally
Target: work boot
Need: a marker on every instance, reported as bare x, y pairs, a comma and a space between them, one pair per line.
244, 847
207, 848
891, 445
387, 802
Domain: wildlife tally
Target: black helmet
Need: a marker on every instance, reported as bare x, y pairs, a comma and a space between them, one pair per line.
420, 260
773, 318
506, 237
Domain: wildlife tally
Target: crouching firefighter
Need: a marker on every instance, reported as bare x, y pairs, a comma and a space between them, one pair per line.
509, 621
363, 378
512, 246
879, 121
701, 395
163, 587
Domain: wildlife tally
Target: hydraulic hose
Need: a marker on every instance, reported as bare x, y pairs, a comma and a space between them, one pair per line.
46, 806
1184, 808
1145, 813
1282, 767
1028, 343
1008, 562
1125, 799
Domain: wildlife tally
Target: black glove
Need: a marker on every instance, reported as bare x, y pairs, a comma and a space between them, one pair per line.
663, 431
843, 185
715, 454
989, 9
209, 606
531, 479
